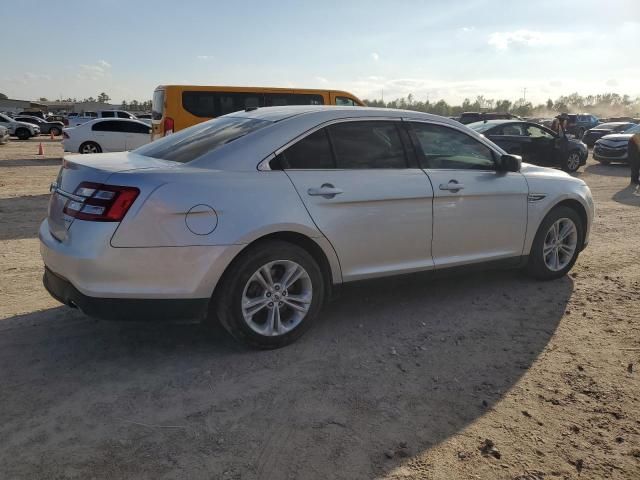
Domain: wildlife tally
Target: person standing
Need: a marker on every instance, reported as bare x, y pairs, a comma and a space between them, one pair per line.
633, 154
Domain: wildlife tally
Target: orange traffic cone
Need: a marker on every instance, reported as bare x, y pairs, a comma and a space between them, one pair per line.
40, 150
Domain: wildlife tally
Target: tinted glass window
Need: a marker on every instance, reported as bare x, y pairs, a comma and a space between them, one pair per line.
123, 115
157, 105
344, 101
512, 129
110, 126
193, 142
537, 132
282, 99
135, 127
108, 114
312, 152
367, 145
446, 148
215, 104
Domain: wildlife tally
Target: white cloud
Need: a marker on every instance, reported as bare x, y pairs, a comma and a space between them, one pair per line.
467, 29
375, 57
528, 38
94, 71
612, 82
322, 80
205, 57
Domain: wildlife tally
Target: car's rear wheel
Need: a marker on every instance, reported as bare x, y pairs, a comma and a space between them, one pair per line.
90, 147
270, 295
572, 162
55, 131
556, 245
23, 134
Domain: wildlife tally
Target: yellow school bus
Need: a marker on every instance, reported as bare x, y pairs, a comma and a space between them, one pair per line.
175, 107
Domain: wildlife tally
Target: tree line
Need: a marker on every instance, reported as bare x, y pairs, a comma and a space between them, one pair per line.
603, 105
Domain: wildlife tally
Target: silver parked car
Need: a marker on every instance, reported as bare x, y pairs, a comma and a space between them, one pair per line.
256, 216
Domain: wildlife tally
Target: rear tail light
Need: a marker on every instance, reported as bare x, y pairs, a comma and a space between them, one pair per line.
168, 125
101, 203
65, 135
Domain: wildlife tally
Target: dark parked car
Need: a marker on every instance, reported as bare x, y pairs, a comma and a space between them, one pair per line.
593, 134
58, 118
471, 117
614, 147
45, 127
577, 124
535, 143
32, 113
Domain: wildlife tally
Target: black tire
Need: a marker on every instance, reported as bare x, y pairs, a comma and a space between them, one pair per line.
227, 300
89, 145
56, 131
536, 266
604, 162
580, 133
571, 165
23, 134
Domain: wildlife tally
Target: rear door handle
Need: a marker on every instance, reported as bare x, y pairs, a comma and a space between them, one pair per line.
452, 186
326, 190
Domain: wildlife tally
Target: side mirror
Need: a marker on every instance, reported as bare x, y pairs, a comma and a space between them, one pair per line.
510, 163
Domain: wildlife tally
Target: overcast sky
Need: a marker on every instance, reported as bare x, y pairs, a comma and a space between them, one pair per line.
432, 49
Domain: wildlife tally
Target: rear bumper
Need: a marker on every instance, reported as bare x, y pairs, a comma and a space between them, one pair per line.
124, 308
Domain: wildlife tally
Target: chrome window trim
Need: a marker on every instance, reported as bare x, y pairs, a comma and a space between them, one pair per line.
264, 163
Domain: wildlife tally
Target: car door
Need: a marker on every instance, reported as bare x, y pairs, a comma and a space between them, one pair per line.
111, 135
479, 213
366, 194
542, 144
138, 134
511, 137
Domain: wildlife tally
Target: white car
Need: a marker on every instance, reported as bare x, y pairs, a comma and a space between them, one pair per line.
106, 135
22, 130
257, 215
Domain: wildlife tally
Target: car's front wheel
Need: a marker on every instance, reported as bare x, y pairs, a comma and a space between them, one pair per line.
270, 295
572, 162
556, 245
23, 134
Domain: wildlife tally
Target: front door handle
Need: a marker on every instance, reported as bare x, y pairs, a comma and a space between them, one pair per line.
452, 186
326, 190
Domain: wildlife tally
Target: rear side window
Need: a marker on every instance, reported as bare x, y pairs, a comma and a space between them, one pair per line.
216, 104
123, 115
313, 152
447, 148
367, 145
344, 101
282, 99
193, 142
157, 105
110, 126
135, 127
108, 114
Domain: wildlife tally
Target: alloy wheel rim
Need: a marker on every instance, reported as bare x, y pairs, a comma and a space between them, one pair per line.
574, 161
90, 149
277, 298
560, 244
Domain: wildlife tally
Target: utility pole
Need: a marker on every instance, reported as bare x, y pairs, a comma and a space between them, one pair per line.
524, 94
382, 94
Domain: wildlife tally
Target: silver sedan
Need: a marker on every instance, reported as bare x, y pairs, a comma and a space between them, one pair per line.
255, 217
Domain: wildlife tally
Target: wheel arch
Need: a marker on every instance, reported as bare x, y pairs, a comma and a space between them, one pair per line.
319, 248
576, 206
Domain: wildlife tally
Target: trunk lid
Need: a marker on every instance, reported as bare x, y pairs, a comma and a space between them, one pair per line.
96, 168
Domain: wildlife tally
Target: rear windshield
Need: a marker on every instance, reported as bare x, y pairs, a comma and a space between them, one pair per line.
157, 105
193, 142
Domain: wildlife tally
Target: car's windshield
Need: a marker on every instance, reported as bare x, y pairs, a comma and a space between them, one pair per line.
193, 142
634, 129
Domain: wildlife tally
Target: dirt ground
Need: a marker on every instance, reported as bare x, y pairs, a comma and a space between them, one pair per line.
489, 376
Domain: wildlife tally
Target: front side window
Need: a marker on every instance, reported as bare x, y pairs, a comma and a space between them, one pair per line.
108, 114
346, 102
511, 129
367, 144
447, 148
537, 132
